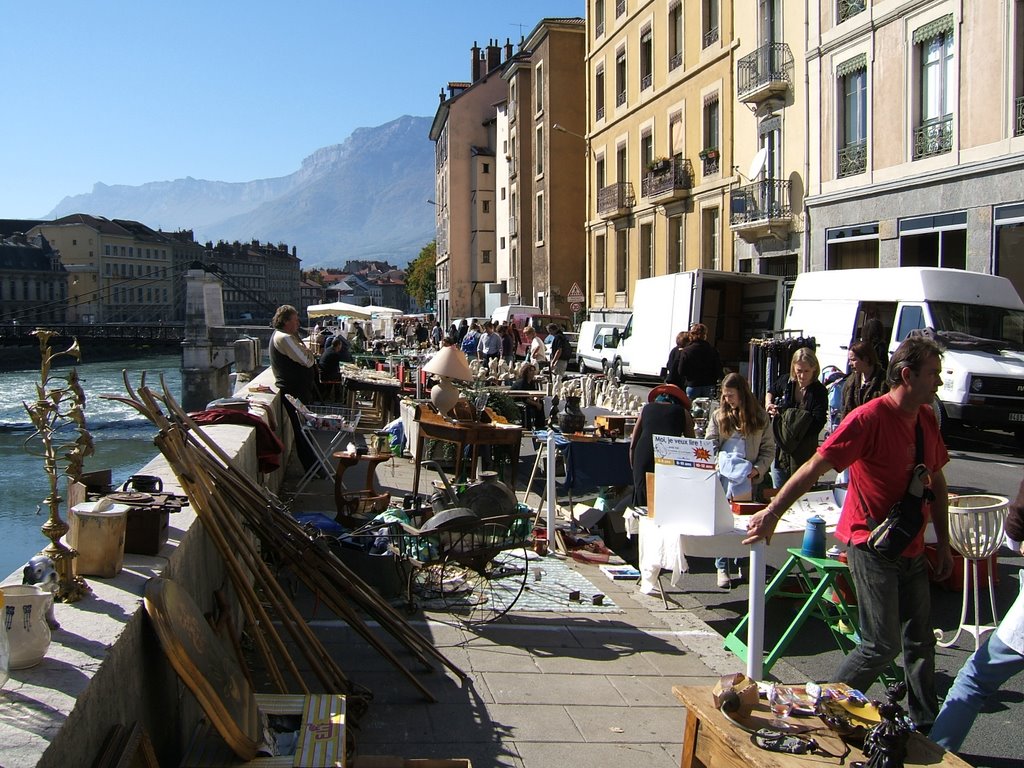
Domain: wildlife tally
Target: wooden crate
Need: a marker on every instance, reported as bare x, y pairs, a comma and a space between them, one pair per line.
321, 741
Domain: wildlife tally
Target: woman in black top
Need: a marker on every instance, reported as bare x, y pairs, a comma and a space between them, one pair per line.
667, 413
798, 405
866, 380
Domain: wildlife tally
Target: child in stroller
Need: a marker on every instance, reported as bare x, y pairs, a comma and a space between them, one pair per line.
833, 379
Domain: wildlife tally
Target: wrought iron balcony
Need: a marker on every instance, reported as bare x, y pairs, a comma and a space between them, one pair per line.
513, 230
1018, 124
710, 37
671, 179
620, 98
513, 169
675, 62
620, 8
599, 29
761, 210
600, 113
766, 72
850, 8
852, 159
615, 200
933, 137
710, 163
646, 81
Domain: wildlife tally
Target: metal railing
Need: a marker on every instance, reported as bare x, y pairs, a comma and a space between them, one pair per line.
512, 228
674, 62
710, 165
646, 81
599, 113
852, 159
620, 98
933, 137
615, 197
771, 63
620, 8
676, 175
760, 201
599, 29
710, 37
1018, 125
849, 8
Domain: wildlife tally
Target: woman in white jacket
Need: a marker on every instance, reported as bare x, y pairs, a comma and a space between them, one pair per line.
742, 433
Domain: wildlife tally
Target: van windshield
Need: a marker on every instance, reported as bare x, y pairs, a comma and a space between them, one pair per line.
997, 323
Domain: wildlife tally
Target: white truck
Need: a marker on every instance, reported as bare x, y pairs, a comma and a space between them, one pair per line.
978, 317
735, 306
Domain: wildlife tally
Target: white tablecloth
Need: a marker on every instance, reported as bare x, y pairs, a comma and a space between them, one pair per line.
666, 547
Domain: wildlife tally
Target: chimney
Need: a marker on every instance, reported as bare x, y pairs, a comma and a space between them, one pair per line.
508, 49
493, 55
474, 70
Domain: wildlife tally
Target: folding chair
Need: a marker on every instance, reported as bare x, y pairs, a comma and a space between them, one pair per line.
314, 420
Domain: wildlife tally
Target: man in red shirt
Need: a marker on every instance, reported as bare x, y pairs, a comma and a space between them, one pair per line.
877, 441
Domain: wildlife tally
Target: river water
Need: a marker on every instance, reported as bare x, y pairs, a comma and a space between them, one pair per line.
123, 440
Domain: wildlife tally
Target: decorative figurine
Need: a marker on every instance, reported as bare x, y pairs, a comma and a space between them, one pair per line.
885, 746
40, 572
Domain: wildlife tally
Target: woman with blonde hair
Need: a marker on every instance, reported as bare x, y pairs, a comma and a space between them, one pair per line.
798, 405
743, 438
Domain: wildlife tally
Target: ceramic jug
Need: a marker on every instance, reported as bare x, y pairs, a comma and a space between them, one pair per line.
24, 619
814, 537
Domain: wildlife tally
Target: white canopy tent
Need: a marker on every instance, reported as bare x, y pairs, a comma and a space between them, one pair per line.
338, 309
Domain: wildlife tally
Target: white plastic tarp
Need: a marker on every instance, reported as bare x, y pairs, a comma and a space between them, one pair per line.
338, 309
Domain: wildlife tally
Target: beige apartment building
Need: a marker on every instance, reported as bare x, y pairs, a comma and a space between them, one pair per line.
769, 172
660, 141
464, 136
542, 158
916, 123
118, 270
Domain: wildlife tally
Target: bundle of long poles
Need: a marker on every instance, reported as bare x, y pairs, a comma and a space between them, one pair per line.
223, 498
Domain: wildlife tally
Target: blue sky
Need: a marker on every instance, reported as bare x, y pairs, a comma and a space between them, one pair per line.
131, 91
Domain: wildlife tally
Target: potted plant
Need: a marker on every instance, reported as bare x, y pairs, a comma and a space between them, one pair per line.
659, 164
62, 441
710, 153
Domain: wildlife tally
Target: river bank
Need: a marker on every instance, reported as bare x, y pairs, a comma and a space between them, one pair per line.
25, 357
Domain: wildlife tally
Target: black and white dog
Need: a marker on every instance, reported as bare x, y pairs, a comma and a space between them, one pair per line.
40, 571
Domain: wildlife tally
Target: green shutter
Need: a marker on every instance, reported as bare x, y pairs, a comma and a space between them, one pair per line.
856, 64
933, 29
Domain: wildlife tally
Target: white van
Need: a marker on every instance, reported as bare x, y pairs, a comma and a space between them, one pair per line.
735, 306
978, 317
595, 346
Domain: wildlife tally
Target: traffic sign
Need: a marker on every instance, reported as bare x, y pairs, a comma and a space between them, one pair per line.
575, 306
576, 293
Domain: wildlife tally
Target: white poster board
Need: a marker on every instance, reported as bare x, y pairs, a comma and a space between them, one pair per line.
687, 493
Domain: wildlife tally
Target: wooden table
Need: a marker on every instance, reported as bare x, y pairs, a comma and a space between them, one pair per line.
353, 504
710, 739
462, 433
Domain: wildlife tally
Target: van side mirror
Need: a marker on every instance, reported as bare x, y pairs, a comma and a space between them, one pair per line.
598, 345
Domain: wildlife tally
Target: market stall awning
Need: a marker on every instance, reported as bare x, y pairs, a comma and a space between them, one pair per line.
339, 309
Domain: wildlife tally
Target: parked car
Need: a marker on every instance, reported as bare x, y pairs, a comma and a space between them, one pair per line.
597, 342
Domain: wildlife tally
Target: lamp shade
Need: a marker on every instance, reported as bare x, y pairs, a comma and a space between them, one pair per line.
450, 363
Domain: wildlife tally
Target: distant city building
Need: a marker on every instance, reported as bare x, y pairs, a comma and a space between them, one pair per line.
311, 292
119, 270
185, 251
33, 282
256, 278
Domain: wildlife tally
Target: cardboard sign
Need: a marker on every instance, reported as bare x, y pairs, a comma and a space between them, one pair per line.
687, 493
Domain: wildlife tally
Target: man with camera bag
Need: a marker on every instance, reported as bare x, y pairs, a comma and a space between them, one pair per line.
883, 442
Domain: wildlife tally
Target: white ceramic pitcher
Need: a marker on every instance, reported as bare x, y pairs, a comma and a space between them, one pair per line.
24, 619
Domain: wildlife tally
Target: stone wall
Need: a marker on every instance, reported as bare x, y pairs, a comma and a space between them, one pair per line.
105, 666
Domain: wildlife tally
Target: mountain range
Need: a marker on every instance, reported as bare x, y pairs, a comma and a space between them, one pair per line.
365, 198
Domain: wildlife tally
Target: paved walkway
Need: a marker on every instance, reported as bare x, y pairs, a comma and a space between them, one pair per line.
566, 686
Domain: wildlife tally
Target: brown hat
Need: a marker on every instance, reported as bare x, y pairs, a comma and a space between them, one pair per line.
672, 391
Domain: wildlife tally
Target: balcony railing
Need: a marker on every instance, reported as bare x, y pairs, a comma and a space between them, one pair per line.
600, 113
758, 202
646, 82
849, 8
852, 159
673, 178
710, 37
512, 168
710, 165
615, 199
441, 235
1018, 125
512, 111
599, 29
934, 137
620, 98
766, 71
675, 62
620, 8
513, 230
